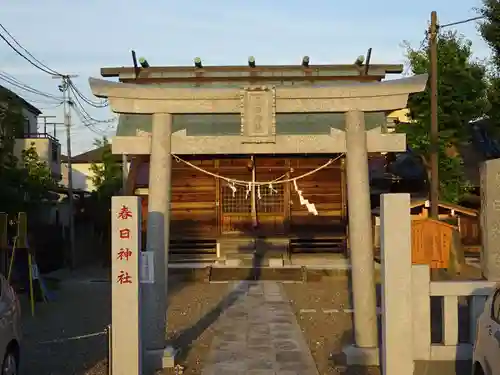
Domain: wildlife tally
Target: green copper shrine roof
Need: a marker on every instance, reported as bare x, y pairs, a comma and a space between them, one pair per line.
230, 124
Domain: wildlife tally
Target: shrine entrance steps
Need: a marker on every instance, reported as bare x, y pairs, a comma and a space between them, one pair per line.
187, 250
259, 258
277, 251
322, 245
254, 251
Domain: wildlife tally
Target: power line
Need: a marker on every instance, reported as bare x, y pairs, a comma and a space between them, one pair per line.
45, 67
85, 124
90, 102
461, 22
85, 113
85, 118
53, 106
23, 86
24, 57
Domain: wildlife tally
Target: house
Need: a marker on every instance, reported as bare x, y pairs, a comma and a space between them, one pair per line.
46, 145
81, 166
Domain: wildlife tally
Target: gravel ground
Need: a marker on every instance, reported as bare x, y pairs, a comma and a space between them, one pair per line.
326, 331
53, 342
192, 312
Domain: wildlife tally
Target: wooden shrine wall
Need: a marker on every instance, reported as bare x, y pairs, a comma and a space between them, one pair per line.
193, 203
326, 189
206, 207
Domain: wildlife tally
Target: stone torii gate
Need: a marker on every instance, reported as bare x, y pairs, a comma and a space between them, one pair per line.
258, 107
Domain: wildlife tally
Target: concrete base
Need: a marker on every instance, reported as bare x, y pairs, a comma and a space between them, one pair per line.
361, 356
276, 262
233, 262
160, 359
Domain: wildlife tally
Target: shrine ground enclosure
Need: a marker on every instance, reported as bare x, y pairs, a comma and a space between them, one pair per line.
257, 157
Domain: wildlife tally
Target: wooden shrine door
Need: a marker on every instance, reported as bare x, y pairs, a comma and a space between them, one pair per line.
271, 200
238, 216
235, 202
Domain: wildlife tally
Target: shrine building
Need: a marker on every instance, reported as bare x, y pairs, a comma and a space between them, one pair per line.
249, 159
215, 139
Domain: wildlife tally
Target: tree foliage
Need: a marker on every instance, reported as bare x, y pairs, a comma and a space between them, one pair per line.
38, 178
462, 91
24, 183
107, 179
490, 31
106, 174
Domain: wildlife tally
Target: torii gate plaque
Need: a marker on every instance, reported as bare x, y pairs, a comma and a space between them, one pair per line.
258, 114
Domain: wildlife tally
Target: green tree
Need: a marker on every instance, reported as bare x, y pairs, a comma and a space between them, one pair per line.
11, 125
23, 183
106, 174
107, 178
461, 98
490, 31
490, 28
38, 180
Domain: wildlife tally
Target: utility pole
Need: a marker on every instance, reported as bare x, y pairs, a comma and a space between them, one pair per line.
434, 188
64, 87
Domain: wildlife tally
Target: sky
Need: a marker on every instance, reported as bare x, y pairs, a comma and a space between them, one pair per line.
81, 36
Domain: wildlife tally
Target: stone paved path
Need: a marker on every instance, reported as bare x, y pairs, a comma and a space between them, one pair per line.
257, 334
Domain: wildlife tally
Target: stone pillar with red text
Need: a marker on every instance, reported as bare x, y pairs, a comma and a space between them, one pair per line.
126, 355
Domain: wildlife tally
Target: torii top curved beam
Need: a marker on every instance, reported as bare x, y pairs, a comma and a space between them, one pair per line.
342, 97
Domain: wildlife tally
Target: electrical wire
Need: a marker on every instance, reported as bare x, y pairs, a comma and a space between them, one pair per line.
87, 116
90, 102
426, 39
46, 69
88, 121
54, 106
23, 86
40, 65
24, 57
461, 22
86, 125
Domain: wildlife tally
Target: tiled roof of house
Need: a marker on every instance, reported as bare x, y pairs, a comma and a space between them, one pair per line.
28, 106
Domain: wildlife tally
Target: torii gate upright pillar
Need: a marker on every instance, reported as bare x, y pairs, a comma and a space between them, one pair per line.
365, 351
154, 323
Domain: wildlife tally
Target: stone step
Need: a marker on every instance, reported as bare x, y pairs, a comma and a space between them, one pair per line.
238, 260
233, 273
187, 258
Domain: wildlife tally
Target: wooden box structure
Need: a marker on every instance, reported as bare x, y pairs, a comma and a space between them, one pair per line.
465, 219
431, 242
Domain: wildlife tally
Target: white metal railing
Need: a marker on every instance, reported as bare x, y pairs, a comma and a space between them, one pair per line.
406, 299
423, 289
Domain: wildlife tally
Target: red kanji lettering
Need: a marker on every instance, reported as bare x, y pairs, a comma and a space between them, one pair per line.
124, 254
124, 213
125, 233
124, 278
